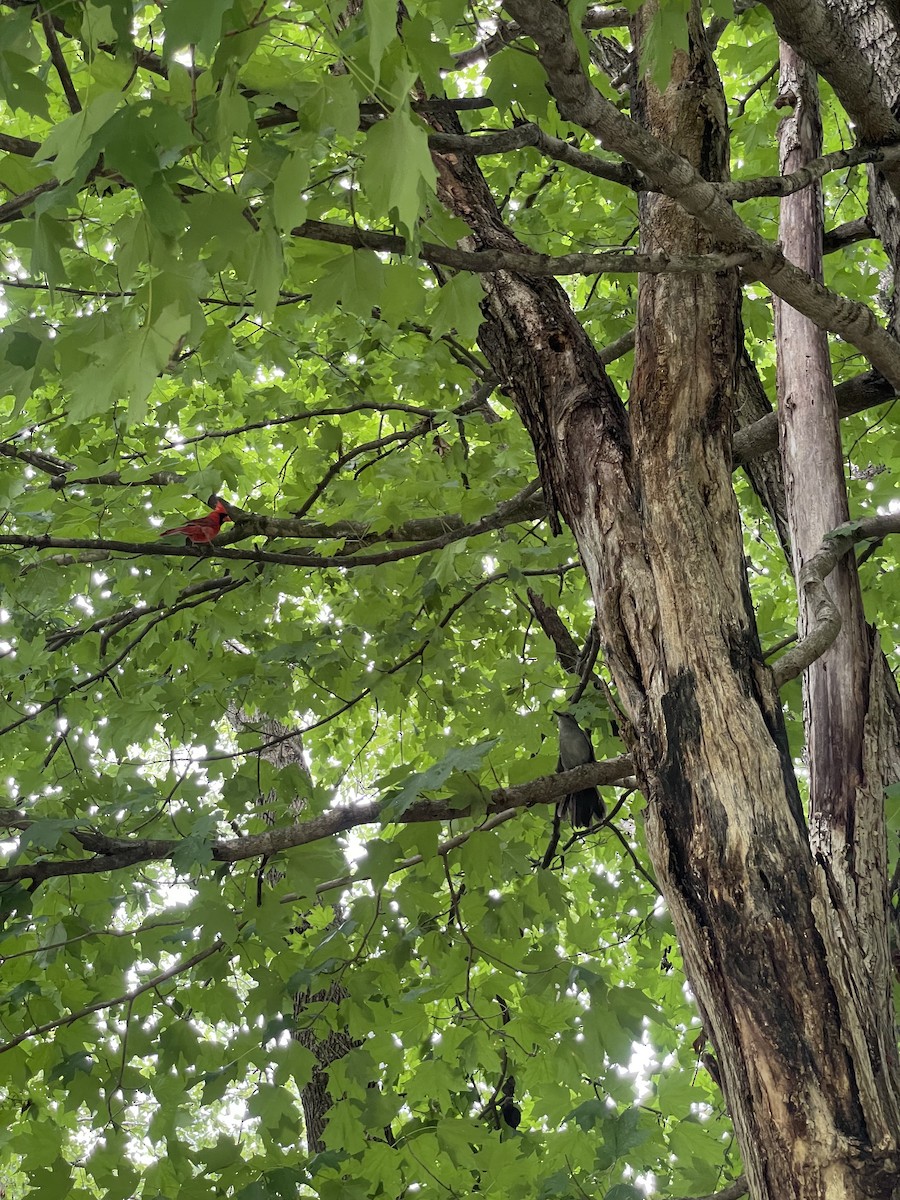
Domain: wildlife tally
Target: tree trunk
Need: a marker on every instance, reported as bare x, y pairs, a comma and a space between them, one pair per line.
846, 795
873, 27
657, 526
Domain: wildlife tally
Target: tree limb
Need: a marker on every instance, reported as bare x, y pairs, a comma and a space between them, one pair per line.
275, 527
528, 262
825, 622
112, 853
579, 101
127, 998
811, 172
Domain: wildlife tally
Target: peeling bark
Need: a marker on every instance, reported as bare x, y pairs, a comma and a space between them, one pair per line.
847, 831
875, 29
650, 501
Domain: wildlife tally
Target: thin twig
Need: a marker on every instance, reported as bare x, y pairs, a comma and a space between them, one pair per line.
58, 60
125, 998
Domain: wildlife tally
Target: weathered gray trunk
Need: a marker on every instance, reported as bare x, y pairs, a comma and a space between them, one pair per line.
846, 795
650, 500
873, 26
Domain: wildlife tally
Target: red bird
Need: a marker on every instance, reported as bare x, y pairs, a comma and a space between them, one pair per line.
203, 529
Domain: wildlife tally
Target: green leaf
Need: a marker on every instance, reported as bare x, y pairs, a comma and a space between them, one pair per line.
267, 270
460, 758
623, 1191
356, 283
397, 174
193, 23
70, 144
195, 848
22, 349
518, 81
289, 205
458, 307
21, 87
668, 33
381, 20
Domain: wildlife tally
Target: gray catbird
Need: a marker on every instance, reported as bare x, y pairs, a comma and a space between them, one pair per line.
585, 807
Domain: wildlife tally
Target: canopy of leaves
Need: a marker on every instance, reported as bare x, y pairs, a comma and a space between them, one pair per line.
190, 308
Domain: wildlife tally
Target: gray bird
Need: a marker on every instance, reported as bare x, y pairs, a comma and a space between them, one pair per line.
585, 807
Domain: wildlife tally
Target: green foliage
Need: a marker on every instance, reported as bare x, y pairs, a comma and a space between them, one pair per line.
169, 333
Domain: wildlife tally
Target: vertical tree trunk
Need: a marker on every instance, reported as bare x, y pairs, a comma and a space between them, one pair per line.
834, 686
657, 525
874, 28
846, 796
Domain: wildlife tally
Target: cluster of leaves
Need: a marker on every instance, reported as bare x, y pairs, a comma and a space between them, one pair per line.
170, 333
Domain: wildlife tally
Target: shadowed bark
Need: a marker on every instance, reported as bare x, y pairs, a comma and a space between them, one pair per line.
652, 507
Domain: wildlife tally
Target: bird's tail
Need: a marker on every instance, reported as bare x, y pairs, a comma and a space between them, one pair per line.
583, 808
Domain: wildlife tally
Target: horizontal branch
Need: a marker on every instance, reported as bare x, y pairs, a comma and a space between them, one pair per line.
16, 145
811, 172
853, 396
509, 512
525, 262
525, 505
114, 853
12, 209
825, 619
847, 234
531, 135
44, 463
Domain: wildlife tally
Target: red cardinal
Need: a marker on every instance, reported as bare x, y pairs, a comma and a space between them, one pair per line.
203, 529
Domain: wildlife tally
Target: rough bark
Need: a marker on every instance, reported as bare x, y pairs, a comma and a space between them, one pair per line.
874, 29
847, 831
763, 469
657, 526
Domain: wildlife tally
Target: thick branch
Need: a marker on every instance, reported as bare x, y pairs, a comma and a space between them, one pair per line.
508, 512
45, 463
847, 234
526, 262
116, 853
16, 145
811, 172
